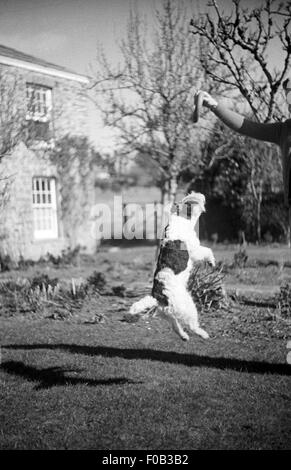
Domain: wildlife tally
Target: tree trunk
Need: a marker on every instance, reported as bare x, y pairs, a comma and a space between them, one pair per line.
259, 230
259, 205
169, 191
289, 228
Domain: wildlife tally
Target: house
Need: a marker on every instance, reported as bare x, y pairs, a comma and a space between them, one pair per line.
41, 104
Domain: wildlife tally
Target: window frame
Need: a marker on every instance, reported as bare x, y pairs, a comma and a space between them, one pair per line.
45, 91
44, 207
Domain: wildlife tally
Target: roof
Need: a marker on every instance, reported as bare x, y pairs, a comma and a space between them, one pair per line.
10, 56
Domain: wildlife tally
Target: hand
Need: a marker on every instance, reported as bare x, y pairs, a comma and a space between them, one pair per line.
207, 100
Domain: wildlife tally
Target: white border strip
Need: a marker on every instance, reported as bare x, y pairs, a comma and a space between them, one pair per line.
42, 69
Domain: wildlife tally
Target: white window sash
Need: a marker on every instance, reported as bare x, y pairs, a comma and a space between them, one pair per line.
45, 213
33, 115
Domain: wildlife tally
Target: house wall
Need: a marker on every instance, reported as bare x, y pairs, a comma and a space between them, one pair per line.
70, 117
16, 223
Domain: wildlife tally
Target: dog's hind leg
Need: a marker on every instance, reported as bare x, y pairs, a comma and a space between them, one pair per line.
167, 314
178, 329
188, 313
143, 305
194, 326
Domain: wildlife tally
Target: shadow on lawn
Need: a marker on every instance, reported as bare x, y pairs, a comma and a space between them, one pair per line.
53, 376
191, 360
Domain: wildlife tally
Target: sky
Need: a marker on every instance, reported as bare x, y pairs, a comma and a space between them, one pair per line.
67, 32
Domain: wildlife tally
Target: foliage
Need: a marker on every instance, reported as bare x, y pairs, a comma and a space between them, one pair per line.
6, 263
12, 129
12, 124
68, 256
240, 258
76, 161
43, 280
19, 297
97, 281
242, 173
234, 46
275, 217
284, 300
206, 287
223, 170
49, 296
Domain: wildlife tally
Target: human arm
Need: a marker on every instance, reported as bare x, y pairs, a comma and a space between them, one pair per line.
267, 132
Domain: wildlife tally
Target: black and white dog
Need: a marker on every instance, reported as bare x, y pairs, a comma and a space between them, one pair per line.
180, 249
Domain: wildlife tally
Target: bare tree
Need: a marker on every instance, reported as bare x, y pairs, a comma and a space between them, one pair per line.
242, 172
234, 49
11, 127
234, 46
263, 175
11, 112
148, 99
262, 172
16, 123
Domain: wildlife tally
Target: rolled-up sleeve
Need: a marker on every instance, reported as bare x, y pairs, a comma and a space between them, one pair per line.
269, 132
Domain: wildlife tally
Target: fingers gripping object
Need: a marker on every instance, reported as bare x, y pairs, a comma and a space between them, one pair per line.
198, 101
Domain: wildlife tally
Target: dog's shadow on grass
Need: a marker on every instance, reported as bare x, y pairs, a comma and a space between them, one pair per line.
172, 357
53, 376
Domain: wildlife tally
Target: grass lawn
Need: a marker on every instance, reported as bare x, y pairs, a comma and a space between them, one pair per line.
117, 385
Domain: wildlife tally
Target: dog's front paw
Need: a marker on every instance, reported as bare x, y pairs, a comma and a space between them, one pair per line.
184, 336
212, 262
211, 259
205, 335
202, 333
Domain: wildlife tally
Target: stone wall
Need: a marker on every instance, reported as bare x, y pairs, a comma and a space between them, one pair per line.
70, 117
16, 223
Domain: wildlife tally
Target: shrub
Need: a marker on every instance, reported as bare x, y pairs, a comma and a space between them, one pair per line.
6, 263
42, 294
206, 287
68, 256
284, 301
97, 281
43, 280
240, 258
16, 296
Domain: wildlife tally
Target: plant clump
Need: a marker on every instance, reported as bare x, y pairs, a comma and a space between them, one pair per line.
47, 296
284, 301
206, 287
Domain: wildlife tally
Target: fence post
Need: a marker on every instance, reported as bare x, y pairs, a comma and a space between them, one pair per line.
155, 220
123, 218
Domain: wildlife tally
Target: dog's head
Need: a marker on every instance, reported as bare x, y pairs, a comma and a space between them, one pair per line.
197, 201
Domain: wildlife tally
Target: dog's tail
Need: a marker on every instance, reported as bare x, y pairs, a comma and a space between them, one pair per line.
143, 305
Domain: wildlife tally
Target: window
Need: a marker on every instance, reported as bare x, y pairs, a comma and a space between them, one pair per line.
44, 208
38, 111
39, 102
